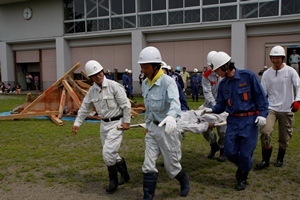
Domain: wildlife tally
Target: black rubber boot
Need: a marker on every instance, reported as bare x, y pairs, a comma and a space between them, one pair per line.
122, 169
241, 178
149, 185
113, 178
280, 156
213, 149
183, 178
222, 156
266, 154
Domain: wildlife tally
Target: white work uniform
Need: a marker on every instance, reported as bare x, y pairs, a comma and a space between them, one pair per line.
210, 84
161, 100
193, 121
110, 101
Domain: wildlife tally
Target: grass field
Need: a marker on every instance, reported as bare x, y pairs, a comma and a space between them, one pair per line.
38, 152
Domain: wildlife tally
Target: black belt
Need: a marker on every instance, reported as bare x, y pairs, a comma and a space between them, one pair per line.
156, 123
112, 119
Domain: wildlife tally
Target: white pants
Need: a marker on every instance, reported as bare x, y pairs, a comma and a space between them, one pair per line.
169, 145
111, 139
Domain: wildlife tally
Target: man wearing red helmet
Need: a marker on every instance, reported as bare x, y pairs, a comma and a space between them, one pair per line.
278, 82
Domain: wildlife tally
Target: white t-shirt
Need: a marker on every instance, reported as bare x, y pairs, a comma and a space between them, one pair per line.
278, 85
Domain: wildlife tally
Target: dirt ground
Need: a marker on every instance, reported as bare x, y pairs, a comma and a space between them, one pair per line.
31, 191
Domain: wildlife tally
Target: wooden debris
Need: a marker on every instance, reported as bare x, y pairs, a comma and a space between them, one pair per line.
62, 98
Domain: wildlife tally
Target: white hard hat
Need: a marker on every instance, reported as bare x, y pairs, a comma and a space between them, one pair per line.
93, 67
277, 51
165, 66
195, 70
219, 59
265, 67
129, 71
210, 56
149, 55
126, 70
108, 71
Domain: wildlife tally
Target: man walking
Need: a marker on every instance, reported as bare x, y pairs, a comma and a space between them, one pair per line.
113, 107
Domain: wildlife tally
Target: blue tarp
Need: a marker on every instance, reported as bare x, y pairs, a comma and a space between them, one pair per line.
64, 118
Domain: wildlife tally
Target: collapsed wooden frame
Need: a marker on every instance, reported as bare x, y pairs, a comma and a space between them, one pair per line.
64, 97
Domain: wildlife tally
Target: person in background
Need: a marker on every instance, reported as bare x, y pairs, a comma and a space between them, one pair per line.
28, 81
162, 136
260, 73
130, 86
18, 88
36, 82
125, 81
210, 84
279, 82
241, 95
176, 76
294, 60
109, 75
114, 109
195, 84
7, 88
141, 77
185, 77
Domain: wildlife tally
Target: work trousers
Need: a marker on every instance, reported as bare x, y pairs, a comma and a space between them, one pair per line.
285, 128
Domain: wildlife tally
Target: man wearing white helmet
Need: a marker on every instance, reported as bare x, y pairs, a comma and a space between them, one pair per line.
241, 95
129, 83
195, 84
278, 82
109, 75
162, 104
109, 99
125, 79
210, 84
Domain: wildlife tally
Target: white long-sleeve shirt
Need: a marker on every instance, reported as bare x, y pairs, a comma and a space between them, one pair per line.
110, 101
278, 85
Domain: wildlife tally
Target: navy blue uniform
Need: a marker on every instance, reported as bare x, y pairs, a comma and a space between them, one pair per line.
195, 84
244, 99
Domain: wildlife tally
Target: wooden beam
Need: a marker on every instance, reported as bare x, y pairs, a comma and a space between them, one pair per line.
76, 86
85, 75
56, 120
51, 88
62, 103
29, 114
83, 84
72, 93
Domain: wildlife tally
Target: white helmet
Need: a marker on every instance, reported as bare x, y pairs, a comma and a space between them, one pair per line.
126, 70
277, 51
195, 70
210, 56
108, 71
129, 71
165, 66
219, 59
93, 67
150, 55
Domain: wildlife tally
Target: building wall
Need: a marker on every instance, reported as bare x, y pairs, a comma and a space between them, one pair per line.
46, 21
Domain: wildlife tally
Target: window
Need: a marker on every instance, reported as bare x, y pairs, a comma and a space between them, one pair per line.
145, 5
249, 10
210, 14
290, 7
268, 8
175, 4
192, 16
228, 13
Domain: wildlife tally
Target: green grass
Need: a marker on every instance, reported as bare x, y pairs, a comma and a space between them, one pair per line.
36, 151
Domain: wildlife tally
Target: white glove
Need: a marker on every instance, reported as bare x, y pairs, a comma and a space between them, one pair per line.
260, 121
206, 110
170, 124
